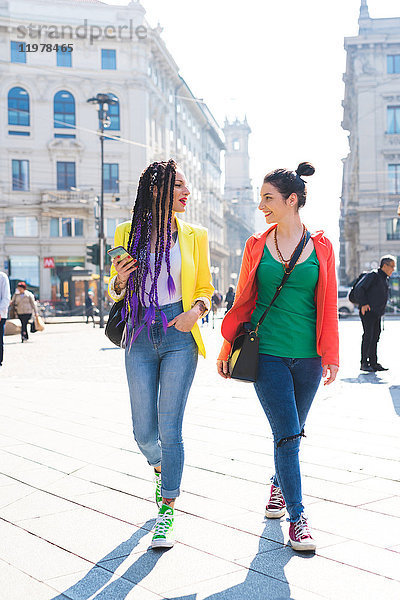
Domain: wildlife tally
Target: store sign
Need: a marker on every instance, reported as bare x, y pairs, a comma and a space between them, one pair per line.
48, 262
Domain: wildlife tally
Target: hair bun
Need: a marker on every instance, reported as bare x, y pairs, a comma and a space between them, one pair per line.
305, 168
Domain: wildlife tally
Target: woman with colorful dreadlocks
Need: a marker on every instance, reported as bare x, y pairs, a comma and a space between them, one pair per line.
166, 289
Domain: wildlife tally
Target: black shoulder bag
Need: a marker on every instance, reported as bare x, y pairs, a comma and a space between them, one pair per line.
115, 327
243, 358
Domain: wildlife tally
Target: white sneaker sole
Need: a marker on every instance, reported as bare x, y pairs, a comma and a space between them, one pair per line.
162, 543
303, 546
275, 514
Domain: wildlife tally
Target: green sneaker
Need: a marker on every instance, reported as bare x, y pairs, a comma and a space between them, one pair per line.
157, 481
164, 530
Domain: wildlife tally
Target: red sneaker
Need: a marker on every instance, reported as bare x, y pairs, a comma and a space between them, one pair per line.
300, 535
276, 506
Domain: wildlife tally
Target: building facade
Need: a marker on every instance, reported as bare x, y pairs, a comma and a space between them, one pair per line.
370, 223
50, 153
240, 206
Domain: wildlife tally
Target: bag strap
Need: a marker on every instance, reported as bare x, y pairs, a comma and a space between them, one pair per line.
303, 242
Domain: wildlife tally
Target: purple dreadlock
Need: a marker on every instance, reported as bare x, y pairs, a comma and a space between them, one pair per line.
162, 175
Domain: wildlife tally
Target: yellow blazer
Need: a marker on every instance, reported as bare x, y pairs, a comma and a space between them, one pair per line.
195, 275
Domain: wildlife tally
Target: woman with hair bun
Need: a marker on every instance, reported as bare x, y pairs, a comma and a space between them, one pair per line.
299, 339
166, 289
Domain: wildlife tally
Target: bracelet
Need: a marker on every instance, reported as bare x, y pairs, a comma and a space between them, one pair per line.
118, 286
202, 306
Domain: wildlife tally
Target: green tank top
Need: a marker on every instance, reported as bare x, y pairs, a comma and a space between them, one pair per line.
289, 329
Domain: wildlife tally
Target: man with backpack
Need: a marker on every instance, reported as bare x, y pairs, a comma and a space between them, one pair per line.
371, 293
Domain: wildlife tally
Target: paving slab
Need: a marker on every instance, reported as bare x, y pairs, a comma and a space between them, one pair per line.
387, 486
17, 585
46, 457
120, 505
35, 556
220, 540
35, 504
351, 494
242, 586
316, 574
85, 532
388, 506
356, 524
277, 530
143, 488
368, 558
160, 570
100, 584
13, 492
70, 486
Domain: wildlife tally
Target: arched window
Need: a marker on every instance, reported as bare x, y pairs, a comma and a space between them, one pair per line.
236, 144
113, 113
18, 107
64, 110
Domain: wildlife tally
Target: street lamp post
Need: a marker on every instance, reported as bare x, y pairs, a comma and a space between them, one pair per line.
102, 101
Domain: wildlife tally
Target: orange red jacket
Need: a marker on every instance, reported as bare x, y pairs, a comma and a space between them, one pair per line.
325, 297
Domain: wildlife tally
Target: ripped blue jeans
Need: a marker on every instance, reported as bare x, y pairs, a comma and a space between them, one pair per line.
286, 388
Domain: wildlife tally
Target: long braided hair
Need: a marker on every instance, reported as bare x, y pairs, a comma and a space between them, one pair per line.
159, 175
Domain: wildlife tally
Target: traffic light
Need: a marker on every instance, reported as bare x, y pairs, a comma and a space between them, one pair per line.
93, 254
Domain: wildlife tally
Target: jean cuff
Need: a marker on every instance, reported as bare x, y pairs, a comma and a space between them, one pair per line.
170, 493
296, 518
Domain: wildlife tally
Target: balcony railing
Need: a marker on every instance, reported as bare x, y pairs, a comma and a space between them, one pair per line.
68, 196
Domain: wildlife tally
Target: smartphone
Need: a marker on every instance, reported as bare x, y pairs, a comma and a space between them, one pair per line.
119, 251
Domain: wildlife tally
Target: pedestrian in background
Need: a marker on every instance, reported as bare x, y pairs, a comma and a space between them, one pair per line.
89, 307
372, 296
230, 297
23, 302
299, 339
166, 289
4, 304
216, 302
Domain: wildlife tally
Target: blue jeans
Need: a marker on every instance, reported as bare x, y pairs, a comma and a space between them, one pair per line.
286, 388
160, 372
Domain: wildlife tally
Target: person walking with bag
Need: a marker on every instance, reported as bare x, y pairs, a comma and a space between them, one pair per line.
372, 294
4, 304
298, 338
166, 289
24, 305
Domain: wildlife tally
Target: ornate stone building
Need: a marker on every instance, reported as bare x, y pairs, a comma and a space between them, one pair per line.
49, 147
240, 206
370, 224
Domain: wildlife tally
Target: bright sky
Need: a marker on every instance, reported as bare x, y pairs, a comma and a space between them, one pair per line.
281, 64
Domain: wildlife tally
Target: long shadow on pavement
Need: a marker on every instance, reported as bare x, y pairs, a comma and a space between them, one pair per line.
265, 578
395, 393
104, 569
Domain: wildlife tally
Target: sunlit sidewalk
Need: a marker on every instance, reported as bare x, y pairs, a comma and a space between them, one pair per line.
76, 496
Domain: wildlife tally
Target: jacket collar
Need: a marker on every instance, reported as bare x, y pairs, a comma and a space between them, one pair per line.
183, 227
382, 273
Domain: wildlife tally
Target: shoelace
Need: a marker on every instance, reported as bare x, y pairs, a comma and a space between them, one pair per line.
301, 528
163, 523
276, 498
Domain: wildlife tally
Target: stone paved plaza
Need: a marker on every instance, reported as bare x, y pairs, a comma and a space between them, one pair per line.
76, 496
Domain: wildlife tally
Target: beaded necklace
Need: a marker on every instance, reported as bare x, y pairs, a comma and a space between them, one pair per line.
286, 263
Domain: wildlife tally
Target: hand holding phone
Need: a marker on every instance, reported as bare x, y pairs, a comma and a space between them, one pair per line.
123, 262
